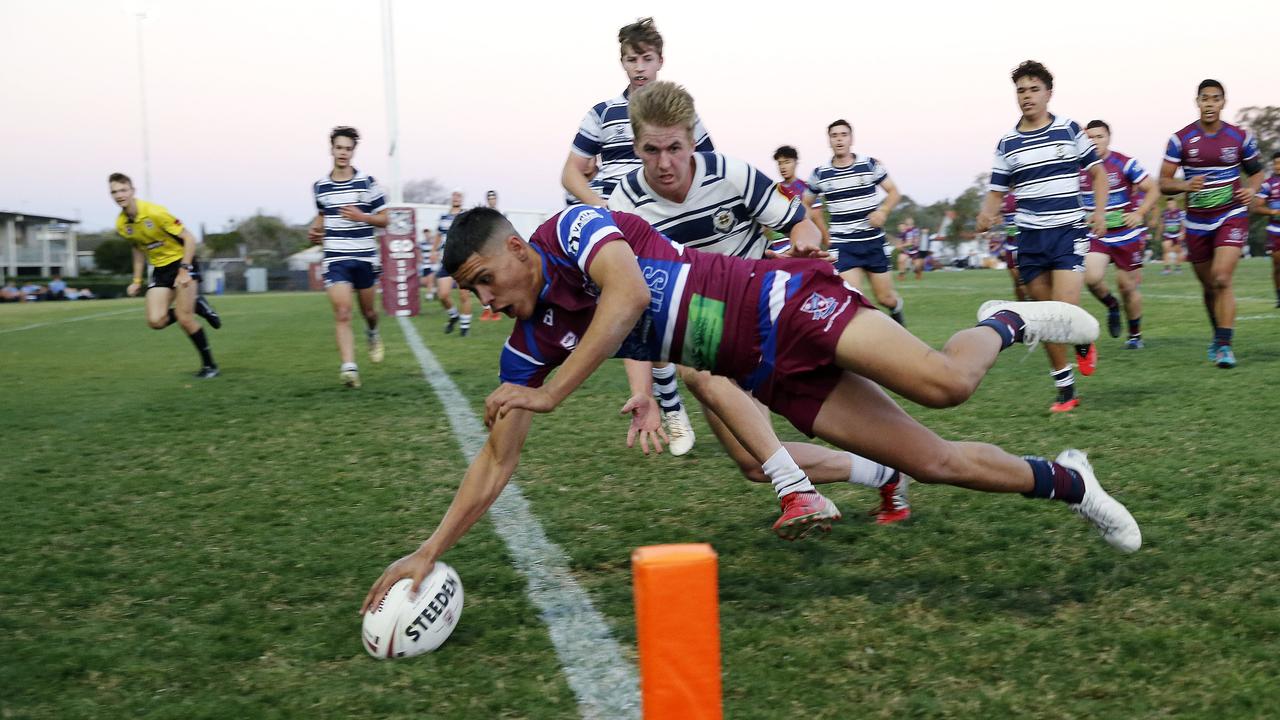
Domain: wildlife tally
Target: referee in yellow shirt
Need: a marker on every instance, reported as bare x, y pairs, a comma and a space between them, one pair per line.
160, 238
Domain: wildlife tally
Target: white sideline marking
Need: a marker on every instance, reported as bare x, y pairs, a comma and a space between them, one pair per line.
33, 326
607, 686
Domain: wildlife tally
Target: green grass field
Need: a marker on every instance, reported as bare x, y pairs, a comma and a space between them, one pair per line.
184, 549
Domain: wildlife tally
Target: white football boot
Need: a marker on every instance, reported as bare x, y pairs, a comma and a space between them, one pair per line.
679, 432
350, 378
1047, 321
1112, 520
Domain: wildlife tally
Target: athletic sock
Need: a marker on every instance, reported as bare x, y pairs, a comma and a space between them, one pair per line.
465, 321
1222, 336
1135, 327
371, 334
1110, 301
1065, 381
896, 312
344, 367
1008, 324
868, 472
786, 476
173, 318
202, 345
665, 389
1054, 482
453, 312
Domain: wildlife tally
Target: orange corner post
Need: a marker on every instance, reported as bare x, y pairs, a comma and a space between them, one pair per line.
678, 627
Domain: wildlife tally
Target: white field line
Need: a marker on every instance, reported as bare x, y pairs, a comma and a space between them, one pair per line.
606, 685
33, 326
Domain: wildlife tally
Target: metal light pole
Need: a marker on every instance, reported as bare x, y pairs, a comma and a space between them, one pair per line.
142, 94
389, 89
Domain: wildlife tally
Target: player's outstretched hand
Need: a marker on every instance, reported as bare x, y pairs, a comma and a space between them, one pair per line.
510, 397
315, 235
413, 565
985, 222
1244, 195
646, 422
1132, 219
1195, 184
133, 289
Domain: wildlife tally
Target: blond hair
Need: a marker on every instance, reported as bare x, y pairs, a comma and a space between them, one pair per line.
662, 104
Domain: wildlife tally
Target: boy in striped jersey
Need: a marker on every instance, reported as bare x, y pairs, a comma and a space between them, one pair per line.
847, 186
1215, 157
605, 133
444, 283
1124, 243
1173, 236
1039, 162
721, 205
350, 205
787, 159
1268, 203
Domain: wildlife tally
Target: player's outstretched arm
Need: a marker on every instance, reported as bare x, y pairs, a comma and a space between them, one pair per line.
989, 213
624, 296
139, 266
488, 475
574, 179
1170, 185
646, 418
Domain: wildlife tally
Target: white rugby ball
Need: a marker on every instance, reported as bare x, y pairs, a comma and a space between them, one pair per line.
399, 627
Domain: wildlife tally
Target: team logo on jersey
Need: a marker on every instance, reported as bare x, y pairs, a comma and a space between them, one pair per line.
1195, 139
150, 225
1230, 154
548, 319
723, 219
575, 230
128, 229
1062, 152
569, 341
1113, 179
819, 306
1237, 234
1193, 152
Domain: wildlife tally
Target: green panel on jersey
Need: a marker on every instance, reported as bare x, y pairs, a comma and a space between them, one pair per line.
1209, 198
702, 332
1115, 219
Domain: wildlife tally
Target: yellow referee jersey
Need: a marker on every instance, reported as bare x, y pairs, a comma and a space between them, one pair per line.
154, 231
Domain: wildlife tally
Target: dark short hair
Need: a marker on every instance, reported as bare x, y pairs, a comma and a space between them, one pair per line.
639, 35
1275, 155
786, 151
1210, 83
1098, 124
839, 122
120, 178
493, 193
344, 131
1033, 69
470, 232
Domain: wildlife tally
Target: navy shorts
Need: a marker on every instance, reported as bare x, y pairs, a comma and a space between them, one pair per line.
358, 273
870, 255
1048, 249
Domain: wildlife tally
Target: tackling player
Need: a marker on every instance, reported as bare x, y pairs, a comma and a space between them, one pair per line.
847, 186
173, 295
444, 283
1268, 203
721, 205
1173, 236
1123, 244
350, 205
1039, 162
1215, 158
592, 283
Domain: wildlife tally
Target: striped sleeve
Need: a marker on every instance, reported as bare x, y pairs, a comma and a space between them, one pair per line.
999, 170
704, 143
878, 172
521, 363
1264, 190
765, 202
588, 142
581, 231
815, 184
315, 191
1134, 172
374, 197
1173, 151
1250, 163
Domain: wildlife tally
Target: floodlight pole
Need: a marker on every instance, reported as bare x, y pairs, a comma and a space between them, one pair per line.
389, 89
142, 95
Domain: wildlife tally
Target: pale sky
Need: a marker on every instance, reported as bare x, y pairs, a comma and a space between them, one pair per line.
241, 94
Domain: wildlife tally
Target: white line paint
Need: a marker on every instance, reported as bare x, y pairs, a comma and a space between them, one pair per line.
33, 326
606, 685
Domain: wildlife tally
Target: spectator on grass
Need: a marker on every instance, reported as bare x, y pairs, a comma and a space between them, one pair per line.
57, 288
11, 293
34, 291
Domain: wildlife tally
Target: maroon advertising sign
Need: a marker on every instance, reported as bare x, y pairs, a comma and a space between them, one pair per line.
400, 262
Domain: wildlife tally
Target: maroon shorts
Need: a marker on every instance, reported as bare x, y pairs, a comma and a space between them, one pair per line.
784, 352
1273, 242
1126, 256
1231, 232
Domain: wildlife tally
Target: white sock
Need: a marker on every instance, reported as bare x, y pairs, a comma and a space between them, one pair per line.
868, 472
665, 388
453, 312
466, 321
901, 304
786, 476
347, 366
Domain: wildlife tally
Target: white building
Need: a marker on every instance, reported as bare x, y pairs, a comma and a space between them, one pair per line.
37, 245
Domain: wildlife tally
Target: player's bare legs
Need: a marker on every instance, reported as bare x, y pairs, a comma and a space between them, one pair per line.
1062, 285
340, 297
444, 288
1130, 284
1275, 273
882, 287
1216, 280
165, 306
1095, 278
368, 298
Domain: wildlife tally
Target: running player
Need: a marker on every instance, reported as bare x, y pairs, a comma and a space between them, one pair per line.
173, 295
1173, 236
1039, 162
793, 187
591, 283
1123, 244
444, 283
1214, 157
350, 205
1268, 203
721, 205
605, 133
1008, 246
847, 185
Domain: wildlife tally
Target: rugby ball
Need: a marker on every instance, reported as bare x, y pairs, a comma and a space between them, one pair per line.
400, 626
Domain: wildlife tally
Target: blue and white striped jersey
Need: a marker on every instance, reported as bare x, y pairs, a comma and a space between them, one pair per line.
1041, 168
347, 239
728, 205
606, 131
851, 195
